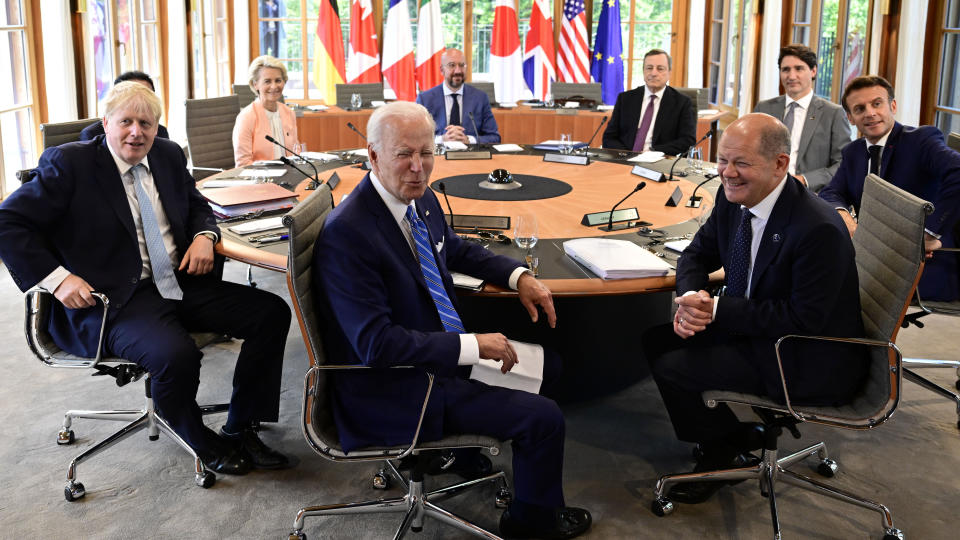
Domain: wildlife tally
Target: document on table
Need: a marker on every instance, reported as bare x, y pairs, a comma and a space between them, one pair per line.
615, 259
464, 281
650, 156
509, 147
677, 245
319, 156
454, 145
259, 225
526, 375
226, 183
272, 173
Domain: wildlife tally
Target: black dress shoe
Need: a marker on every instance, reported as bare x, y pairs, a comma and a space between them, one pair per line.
260, 455
568, 522
698, 492
232, 462
471, 465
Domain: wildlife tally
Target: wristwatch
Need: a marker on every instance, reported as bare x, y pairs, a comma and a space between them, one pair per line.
210, 235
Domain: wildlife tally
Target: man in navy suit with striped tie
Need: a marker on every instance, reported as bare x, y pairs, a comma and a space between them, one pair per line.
386, 298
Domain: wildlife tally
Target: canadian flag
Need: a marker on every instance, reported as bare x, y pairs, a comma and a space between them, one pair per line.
363, 58
429, 44
538, 54
506, 61
398, 53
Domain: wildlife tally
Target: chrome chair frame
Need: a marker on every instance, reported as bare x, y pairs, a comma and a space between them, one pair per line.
37, 306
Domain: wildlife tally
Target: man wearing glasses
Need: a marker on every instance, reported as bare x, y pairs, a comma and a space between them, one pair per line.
451, 103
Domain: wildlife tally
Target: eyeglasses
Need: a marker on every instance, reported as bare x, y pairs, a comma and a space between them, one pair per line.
451, 65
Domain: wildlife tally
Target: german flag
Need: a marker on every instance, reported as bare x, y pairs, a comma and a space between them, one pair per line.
328, 59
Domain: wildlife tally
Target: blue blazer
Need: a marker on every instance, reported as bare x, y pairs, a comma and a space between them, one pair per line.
917, 160
804, 281
75, 214
474, 101
376, 310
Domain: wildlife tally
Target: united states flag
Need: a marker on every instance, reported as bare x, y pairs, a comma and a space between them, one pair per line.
573, 59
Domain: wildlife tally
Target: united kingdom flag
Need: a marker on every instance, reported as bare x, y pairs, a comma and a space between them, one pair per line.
538, 55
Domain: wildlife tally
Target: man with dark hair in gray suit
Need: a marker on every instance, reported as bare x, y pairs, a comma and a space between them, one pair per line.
818, 128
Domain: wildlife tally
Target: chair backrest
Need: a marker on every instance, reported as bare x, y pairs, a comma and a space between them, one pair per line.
697, 95
244, 93
368, 91
564, 90
64, 132
953, 141
487, 88
210, 132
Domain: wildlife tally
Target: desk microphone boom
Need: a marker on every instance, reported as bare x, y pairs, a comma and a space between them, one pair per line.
687, 153
313, 181
694, 201
609, 226
475, 130
443, 189
594, 136
357, 131
316, 173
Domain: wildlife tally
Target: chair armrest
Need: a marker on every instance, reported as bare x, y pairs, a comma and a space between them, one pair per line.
423, 407
855, 341
42, 319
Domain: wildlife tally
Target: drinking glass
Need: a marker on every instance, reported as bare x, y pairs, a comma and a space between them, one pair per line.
566, 142
301, 149
695, 160
548, 101
356, 101
525, 231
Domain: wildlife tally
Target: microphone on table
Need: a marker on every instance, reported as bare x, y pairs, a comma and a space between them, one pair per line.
594, 136
316, 173
313, 181
694, 201
609, 226
443, 189
475, 130
357, 131
705, 137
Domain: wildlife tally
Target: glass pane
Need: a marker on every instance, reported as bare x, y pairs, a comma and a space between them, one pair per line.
150, 52
825, 48
292, 7
718, 9
802, 11
14, 76
102, 48
148, 11
272, 31
650, 36
952, 15
199, 92
801, 34
855, 41
12, 13
210, 75
713, 84
290, 44
223, 52
128, 60
16, 133
949, 95
221, 7
224, 81
733, 41
716, 40
947, 122
744, 32
653, 10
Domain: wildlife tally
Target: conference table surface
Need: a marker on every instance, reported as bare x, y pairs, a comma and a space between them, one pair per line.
595, 188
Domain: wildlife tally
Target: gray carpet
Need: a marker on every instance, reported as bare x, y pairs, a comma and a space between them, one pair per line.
616, 447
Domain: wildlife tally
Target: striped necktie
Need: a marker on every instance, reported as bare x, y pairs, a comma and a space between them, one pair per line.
160, 265
428, 266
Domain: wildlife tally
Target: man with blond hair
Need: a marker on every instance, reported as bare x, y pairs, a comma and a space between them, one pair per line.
120, 214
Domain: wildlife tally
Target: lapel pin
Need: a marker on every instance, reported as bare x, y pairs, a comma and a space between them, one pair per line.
426, 213
776, 237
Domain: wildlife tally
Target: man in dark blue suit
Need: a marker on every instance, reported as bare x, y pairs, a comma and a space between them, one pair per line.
790, 269
121, 215
96, 128
451, 103
914, 159
386, 298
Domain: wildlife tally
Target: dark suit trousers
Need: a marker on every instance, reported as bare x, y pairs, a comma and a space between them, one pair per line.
153, 332
683, 369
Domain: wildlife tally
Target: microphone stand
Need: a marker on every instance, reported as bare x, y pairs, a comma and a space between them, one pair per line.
443, 189
694, 201
687, 153
586, 149
313, 183
357, 131
316, 173
609, 226
475, 130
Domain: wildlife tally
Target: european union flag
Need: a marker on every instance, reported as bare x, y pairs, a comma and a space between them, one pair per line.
606, 65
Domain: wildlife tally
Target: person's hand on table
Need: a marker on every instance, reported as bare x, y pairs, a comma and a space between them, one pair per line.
694, 313
534, 293
455, 133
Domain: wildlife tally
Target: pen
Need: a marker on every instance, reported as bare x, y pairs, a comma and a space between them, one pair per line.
274, 238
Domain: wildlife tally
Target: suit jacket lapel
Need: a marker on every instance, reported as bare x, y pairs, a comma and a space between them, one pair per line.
809, 125
774, 234
665, 103
107, 175
163, 183
890, 147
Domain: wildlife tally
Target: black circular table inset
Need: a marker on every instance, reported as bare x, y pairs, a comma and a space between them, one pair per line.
533, 188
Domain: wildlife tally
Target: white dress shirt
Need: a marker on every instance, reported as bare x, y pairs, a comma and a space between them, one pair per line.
448, 104
799, 118
656, 110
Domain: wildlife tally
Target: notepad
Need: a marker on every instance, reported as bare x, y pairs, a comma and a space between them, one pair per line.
272, 173
677, 245
650, 156
508, 147
615, 259
526, 375
258, 225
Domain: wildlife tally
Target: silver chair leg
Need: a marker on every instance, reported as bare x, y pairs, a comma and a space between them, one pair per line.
769, 477
743, 473
407, 523
74, 490
454, 520
446, 492
803, 482
935, 388
250, 280
392, 505
819, 449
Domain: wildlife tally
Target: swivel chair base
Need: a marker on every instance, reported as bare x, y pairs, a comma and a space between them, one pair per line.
415, 505
138, 419
911, 375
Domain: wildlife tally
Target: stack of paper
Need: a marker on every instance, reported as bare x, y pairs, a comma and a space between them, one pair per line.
239, 200
615, 259
526, 375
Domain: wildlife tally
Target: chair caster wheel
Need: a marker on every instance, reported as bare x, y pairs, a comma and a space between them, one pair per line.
153, 437
661, 506
504, 498
73, 491
65, 437
297, 535
380, 481
957, 384
205, 479
827, 468
893, 534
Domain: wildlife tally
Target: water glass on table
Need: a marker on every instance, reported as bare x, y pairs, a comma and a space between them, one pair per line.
525, 232
695, 160
566, 143
356, 101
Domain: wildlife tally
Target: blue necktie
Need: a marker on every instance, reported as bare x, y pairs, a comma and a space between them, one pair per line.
160, 265
428, 265
739, 262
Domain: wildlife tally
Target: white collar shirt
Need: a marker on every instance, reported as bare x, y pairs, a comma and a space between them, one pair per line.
799, 118
656, 110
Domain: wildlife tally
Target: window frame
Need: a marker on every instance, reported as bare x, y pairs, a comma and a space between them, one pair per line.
932, 63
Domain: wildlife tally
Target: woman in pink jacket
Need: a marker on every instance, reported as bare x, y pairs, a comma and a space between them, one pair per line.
265, 116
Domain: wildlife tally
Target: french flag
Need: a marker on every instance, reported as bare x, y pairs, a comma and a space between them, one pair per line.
506, 60
398, 60
538, 53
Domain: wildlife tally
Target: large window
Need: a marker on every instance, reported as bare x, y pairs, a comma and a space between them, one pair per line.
730, 47
645, 25
18, 115
211, 48
946, 110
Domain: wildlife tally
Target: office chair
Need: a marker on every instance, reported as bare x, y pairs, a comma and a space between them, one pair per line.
889, 256
953, 141
588, 94
487, 88
368, 92
244, 94
59, 133
210, 134
38, 303
697, 95
305, 222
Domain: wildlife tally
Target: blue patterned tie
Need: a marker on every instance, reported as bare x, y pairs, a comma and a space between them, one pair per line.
739, 263
160, 265
428, 265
